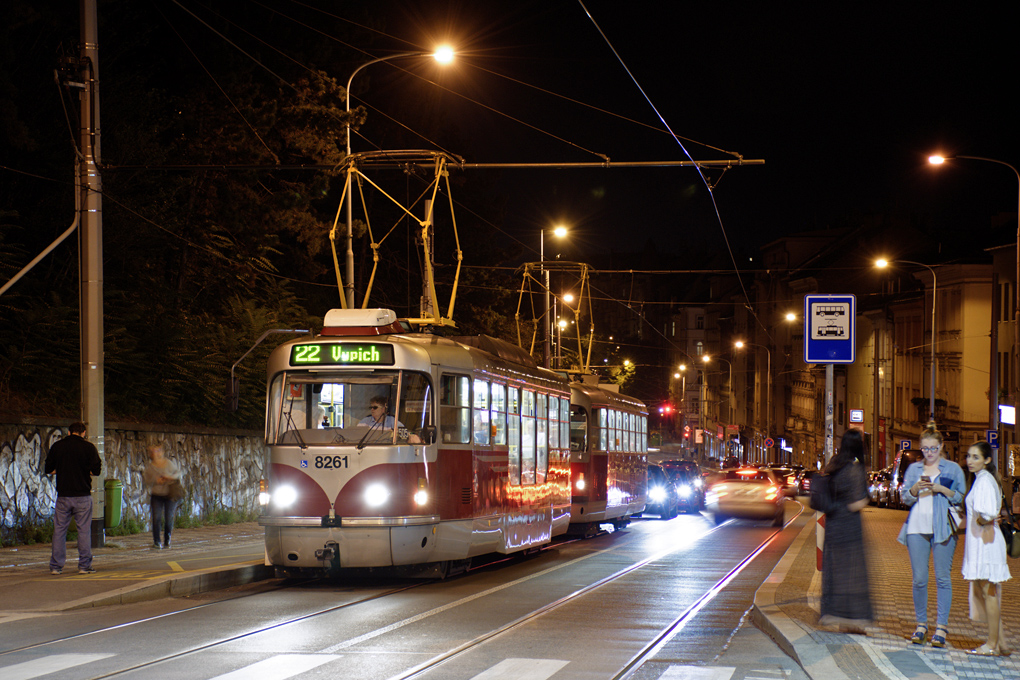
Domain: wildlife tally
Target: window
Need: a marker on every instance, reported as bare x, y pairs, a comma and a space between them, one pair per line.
480, 413
578, 429
454, 411
541, 437
498, 411
554, 422
513, 430
528, 437
564, 423
603, 443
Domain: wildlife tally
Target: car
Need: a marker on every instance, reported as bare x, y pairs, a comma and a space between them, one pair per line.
747, 493
878, 487
662, 499
689, 483
804, 482
730, 462
787, 476
899, 469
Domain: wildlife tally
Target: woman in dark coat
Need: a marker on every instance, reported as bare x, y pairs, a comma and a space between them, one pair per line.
846, 598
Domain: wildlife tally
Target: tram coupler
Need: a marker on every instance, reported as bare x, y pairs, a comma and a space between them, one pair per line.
330, 552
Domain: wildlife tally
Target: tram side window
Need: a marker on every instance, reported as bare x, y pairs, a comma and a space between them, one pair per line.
644, 434
528, 437
480, 413
628, 432
541, 437
554, 422
275, 398
455, 408
498, 414
578, 428
513, 426
603, 442
564, 423
619, 430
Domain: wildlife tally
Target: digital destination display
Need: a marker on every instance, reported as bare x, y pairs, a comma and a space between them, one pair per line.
342, 354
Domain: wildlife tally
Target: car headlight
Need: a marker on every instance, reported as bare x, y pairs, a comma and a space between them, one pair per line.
285, 496
657, 494
376, 495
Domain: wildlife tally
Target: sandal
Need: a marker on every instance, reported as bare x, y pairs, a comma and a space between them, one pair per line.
939, 638
983, 650
918, 637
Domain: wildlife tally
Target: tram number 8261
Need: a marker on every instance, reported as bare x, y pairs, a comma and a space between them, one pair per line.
330, 462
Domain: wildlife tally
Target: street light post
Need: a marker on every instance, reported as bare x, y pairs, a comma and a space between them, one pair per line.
547, 321
939, 160
443, 55
934, 287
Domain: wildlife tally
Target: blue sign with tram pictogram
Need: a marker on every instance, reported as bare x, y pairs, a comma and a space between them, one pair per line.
830, 335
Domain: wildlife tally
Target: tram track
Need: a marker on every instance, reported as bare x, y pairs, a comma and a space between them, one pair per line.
439, 659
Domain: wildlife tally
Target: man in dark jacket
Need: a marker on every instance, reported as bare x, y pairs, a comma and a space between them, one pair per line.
74, 460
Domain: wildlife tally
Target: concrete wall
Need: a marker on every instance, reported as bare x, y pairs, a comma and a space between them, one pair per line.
221, 468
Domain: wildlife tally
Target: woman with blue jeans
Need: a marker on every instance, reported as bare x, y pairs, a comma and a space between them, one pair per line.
930, 486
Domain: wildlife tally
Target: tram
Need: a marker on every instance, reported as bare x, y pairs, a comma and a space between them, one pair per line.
390, 447
608, 456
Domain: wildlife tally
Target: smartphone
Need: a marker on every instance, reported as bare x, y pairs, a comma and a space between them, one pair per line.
925, 478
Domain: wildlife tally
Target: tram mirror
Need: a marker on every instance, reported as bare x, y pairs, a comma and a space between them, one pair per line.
428, 434
233, 394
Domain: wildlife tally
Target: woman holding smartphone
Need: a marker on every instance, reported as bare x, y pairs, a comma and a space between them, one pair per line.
930, 487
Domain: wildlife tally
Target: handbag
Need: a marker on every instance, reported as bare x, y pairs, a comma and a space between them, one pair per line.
956, 523
1010, 533
176, 491
821, 493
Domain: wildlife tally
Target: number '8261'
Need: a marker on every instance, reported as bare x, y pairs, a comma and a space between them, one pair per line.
330, 462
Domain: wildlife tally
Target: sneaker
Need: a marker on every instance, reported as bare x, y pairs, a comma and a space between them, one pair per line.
56, 572
86, 570
157, 546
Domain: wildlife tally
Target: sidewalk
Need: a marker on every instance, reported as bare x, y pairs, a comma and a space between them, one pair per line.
786, 608
129, 569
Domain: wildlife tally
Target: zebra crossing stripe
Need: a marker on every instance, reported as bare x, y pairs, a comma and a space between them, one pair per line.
54, 663
279, 667
522, 669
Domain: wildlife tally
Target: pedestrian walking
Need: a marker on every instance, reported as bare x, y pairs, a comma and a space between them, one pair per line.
984, 549
930, 487
159, 475
74, 460
846, 595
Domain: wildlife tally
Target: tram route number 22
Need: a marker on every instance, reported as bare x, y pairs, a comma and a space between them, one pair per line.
330, 462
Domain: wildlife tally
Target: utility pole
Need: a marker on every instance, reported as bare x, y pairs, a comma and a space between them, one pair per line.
90, 250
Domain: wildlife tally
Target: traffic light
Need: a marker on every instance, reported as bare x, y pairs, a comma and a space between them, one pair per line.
687, 431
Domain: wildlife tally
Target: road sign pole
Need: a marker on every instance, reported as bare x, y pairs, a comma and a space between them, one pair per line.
829, 433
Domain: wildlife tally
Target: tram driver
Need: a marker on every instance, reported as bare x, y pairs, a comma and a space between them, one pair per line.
379, 418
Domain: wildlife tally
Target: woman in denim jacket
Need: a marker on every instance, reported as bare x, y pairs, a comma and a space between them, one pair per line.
930, 486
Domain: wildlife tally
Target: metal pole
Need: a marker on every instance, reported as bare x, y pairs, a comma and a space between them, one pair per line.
829, 434
546, 340
91, 262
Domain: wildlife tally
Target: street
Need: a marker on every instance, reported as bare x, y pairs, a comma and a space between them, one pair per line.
659, 599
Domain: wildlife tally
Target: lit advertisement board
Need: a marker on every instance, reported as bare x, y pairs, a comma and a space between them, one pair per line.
342, 354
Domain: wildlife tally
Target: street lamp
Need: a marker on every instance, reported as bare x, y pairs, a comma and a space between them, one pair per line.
443, 55
558, 232
739, 344
939, 160
934, 286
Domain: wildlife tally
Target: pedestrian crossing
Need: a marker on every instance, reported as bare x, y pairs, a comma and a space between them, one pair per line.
287, 666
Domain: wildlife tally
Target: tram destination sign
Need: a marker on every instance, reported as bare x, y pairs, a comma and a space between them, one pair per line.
342, 354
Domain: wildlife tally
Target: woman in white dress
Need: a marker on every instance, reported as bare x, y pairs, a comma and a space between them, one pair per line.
984, 552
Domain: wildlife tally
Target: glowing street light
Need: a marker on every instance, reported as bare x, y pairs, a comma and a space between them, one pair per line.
740, 344
547, 321
443, 55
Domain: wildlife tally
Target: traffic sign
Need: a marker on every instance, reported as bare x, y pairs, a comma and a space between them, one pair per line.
992, 436
769, 442
830, 335
904, 445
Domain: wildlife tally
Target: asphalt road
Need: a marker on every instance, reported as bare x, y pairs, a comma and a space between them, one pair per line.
660, 599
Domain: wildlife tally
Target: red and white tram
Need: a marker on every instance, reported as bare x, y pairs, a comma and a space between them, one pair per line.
608, 456
467, 451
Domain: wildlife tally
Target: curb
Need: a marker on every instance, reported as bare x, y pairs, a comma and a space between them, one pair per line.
794, 639
181, 585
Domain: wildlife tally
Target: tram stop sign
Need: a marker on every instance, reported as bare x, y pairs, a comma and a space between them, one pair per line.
830, 329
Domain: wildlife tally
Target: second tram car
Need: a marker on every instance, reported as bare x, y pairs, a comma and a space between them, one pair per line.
608, 456
390, 447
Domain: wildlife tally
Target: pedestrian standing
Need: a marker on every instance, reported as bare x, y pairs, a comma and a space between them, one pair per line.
74, 460
846, 596
930, 487
984, 549
159, 475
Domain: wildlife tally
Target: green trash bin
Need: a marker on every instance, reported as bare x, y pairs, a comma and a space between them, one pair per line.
114, 503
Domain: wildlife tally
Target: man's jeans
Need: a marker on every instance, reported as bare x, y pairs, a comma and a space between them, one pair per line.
80, 508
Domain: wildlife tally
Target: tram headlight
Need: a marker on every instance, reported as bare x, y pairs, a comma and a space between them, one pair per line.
579, 484
285, 496
657, 493
684, 490
263, 492
376, 495
421, 497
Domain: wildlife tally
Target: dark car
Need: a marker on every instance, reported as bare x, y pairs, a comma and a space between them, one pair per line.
804, 482
787, 477
689, 483
662, 498
899, 469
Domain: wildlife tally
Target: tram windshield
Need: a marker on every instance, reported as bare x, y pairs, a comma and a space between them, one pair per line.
348, 409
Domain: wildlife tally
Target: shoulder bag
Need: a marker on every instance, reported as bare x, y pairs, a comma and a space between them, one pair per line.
176, 491
821, 493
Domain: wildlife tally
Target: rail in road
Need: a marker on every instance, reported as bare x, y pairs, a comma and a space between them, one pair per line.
542, 614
